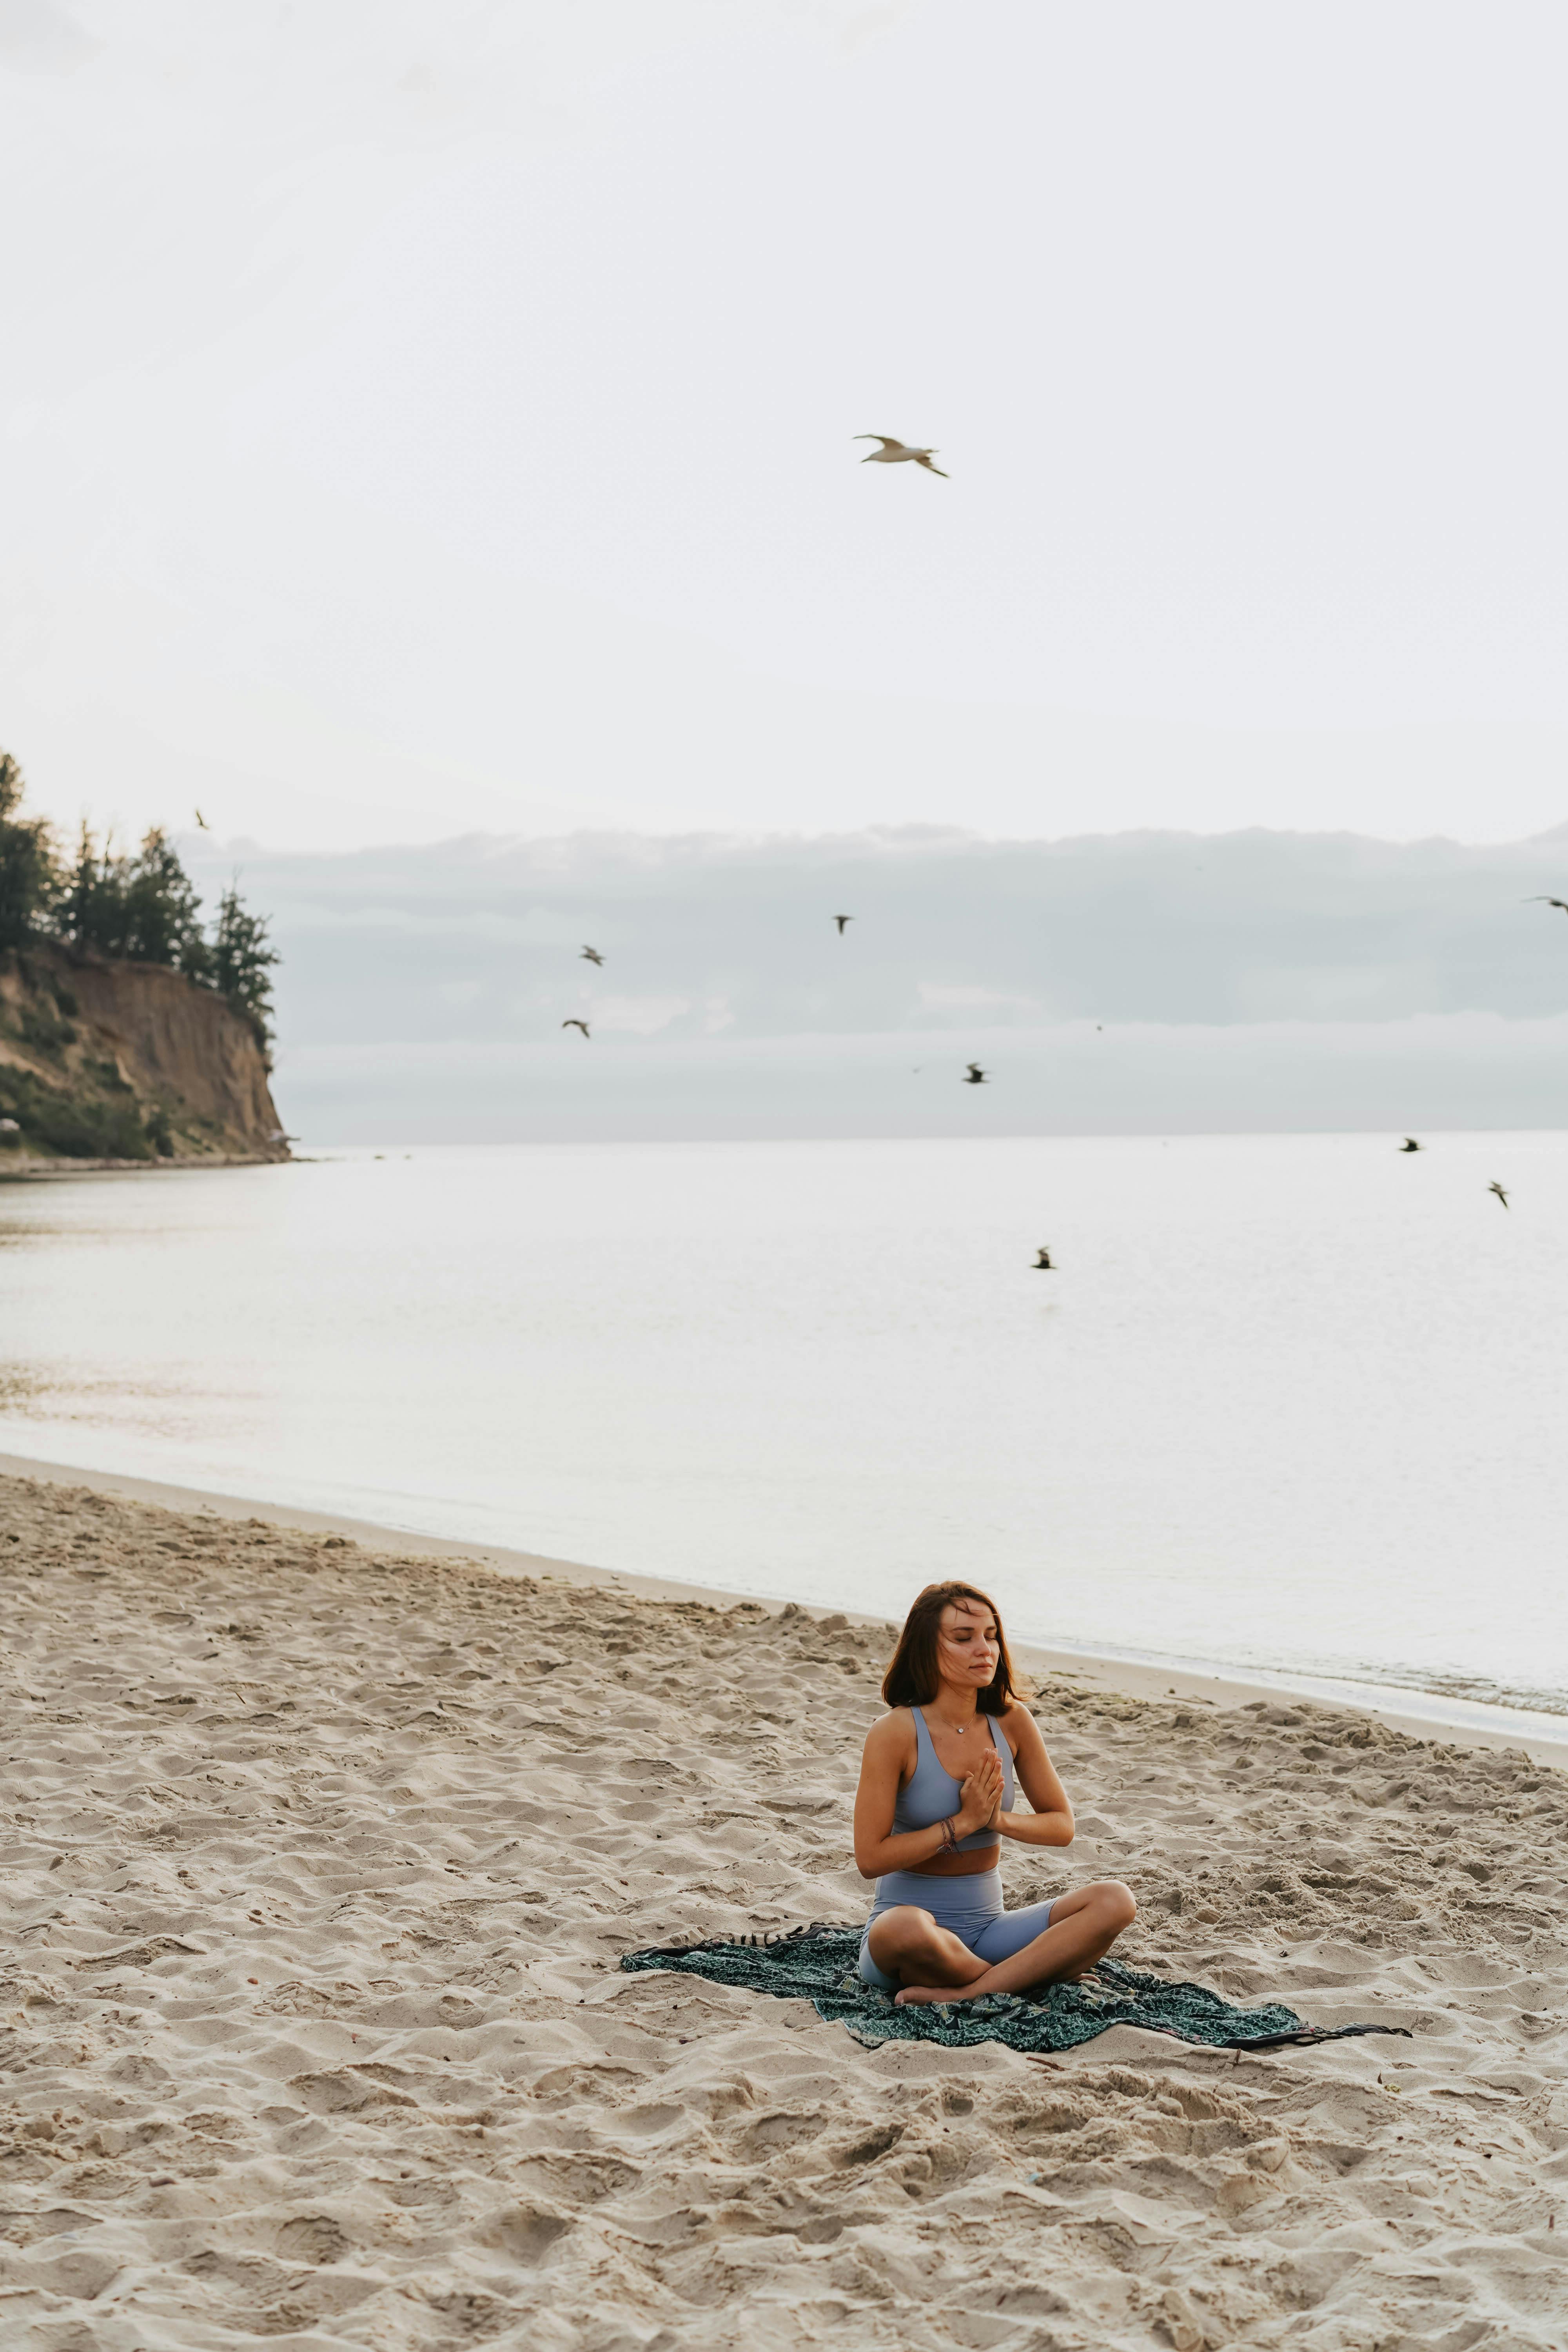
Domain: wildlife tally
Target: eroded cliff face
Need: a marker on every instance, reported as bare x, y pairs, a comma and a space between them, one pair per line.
126, 1062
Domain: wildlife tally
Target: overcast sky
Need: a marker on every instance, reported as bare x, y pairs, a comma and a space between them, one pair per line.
420, 416
1130, 983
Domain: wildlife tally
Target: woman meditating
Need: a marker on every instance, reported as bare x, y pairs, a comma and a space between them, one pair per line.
934, 1804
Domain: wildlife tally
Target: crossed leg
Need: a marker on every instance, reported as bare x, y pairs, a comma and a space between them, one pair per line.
907, 1943
932, 1964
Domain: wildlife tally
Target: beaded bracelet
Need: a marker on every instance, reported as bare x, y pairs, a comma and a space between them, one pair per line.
949, 1837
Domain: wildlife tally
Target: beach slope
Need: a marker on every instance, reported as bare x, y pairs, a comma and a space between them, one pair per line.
319, 1864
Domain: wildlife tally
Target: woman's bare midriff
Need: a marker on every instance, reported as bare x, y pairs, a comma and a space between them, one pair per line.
959, 1865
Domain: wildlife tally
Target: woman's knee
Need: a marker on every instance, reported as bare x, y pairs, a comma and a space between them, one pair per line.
1115, 1903
907, 1928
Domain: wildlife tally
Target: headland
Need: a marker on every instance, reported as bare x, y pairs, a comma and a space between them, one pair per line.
109, 1062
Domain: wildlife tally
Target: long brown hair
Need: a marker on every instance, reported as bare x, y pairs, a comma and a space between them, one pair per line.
911, 1677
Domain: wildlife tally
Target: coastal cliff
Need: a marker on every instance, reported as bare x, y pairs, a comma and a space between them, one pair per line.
108, 1060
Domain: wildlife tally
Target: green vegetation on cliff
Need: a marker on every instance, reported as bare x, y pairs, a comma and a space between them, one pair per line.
138, 907
129, 1029
98, 1117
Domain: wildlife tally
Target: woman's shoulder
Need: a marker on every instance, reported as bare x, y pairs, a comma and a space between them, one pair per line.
895, 1731
1017, 1721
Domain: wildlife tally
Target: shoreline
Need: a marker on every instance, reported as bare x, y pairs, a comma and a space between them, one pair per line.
1419, 1715
31, 1171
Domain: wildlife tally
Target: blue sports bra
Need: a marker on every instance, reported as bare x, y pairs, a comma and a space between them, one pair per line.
932, 1794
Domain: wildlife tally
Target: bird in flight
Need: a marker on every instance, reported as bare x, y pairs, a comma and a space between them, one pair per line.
576, 1024
896, 453
1410, 1144
1542, 898
841, 920
974, 1076
1042, 1263
202, 823
593, 955
1497, 1188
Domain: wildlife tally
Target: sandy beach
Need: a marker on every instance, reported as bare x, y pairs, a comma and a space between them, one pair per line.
320, 1861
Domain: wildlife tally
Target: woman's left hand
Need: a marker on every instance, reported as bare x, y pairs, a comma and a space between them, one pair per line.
988, 1783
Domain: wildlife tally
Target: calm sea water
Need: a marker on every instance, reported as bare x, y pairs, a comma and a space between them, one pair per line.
1296, 1402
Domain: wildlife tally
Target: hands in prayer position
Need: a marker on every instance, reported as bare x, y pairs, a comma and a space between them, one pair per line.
980, 1792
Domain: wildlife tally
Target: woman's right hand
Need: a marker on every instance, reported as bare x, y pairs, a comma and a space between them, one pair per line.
980, 1795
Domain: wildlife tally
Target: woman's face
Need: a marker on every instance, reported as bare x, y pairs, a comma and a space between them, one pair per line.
966, 1645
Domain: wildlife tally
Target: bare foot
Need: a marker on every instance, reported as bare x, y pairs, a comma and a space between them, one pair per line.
913, 1995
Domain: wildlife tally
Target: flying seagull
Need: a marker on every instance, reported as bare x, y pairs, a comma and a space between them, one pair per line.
976, 1077
841, 920
895, 453
1410, 1144
1543, 900
1497, 1188
202, 823
576, 1024
1042, 1263
593, 955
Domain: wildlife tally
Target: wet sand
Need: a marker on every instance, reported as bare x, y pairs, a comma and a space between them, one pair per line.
319, 1862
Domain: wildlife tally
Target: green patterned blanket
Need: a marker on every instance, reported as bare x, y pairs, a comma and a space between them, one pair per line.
817, 1963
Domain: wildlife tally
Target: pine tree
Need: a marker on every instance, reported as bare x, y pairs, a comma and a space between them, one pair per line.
242, 958
30, 875
163, 918
91, 911
143, 908
79, 915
